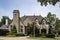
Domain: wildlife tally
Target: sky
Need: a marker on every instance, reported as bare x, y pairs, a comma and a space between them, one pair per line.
27, 7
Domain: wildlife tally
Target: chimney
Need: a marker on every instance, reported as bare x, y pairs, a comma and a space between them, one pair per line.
6, 22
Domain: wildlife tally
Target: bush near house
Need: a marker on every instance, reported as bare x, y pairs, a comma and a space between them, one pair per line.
13, 31
38, 35
10, 33
50, 35
21, 34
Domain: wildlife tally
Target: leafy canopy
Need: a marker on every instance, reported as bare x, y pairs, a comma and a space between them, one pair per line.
45, 2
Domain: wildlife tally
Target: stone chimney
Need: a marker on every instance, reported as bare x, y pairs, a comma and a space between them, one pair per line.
6, 22
16, 20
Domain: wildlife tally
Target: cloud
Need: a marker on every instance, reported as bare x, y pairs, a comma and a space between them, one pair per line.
27, 7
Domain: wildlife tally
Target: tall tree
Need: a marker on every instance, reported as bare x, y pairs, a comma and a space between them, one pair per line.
3, 20
57, 24
52, 17
45, 2
49, 15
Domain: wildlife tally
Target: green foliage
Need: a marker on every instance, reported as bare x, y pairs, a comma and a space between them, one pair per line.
3, 20
50, 35
45, 2
51, 17
55, 31
0, 24
57, 24
21, 34
14, 30
49, 14
10, 33
38, 35
52, 20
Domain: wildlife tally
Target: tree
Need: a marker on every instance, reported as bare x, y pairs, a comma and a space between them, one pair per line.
57, 24
52, 22
52, 17
3, 20
45, 2
14, 30
49, 14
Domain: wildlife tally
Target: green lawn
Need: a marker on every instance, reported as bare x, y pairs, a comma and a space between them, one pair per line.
58, 38
48, 39
27, 38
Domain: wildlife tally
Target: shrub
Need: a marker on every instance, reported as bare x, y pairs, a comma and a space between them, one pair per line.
21, 34
38, 35
43, 34
31, 35
14, 30
10, 33
50, 35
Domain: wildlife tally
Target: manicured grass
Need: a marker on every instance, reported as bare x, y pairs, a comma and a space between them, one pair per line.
27, 38
47, 39
41, 38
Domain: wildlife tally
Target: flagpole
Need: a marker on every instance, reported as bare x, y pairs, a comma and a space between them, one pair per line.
34, 30
34, 26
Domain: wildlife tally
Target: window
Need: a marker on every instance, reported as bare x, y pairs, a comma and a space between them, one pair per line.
21, 28
11, 26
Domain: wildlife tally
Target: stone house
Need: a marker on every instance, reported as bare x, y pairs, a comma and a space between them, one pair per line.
21, 22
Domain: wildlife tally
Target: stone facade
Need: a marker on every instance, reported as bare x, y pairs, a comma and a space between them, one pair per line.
42, 25
16, 22
21, 22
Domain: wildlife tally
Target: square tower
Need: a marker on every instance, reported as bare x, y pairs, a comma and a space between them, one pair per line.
16, 20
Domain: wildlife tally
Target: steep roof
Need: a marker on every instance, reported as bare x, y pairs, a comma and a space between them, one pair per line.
31, 17
46, 19
4, 27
